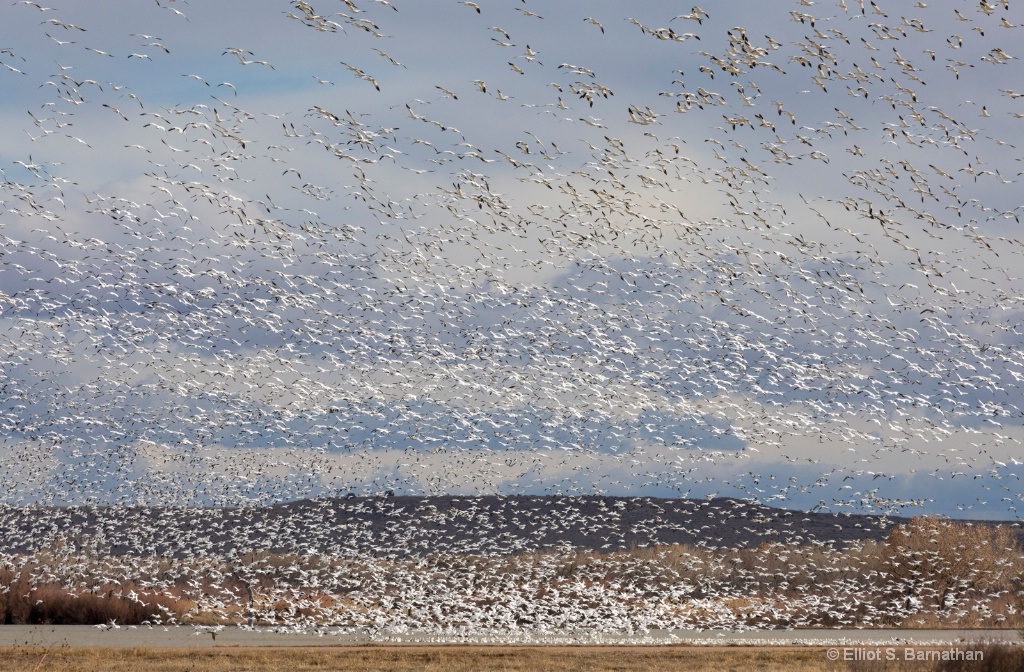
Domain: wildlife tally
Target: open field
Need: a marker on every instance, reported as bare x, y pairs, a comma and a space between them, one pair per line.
392, 658
437, 659
504, 658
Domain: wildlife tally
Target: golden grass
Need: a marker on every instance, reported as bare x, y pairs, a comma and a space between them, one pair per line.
421, 659
463, 658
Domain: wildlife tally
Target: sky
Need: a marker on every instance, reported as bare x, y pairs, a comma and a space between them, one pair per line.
254, 252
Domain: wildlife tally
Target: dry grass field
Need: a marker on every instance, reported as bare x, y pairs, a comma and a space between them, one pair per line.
477, 658
421, 659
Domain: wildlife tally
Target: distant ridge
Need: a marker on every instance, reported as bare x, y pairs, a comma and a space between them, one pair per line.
405, 526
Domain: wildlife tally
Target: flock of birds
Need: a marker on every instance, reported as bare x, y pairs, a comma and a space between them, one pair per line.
512, 569
513, 248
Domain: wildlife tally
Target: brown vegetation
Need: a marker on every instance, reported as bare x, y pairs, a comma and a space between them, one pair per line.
473, 658
26, 599
427, 659
994, 658
937, 560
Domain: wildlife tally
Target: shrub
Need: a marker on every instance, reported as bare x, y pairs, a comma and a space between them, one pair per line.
937, 560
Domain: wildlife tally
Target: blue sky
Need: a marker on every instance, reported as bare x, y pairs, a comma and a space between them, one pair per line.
766, 255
